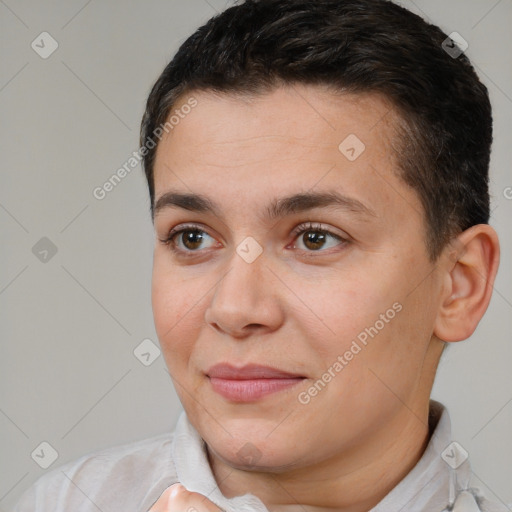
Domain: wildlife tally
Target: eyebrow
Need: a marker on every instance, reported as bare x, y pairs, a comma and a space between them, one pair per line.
280, 207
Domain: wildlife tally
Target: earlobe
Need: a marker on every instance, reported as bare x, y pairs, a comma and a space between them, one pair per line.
471, 263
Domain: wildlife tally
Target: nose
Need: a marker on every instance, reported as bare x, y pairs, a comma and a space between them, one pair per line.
245, 300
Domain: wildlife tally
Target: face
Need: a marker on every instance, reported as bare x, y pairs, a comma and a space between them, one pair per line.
307, 255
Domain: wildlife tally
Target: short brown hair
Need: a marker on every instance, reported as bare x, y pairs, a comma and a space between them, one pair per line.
353, 46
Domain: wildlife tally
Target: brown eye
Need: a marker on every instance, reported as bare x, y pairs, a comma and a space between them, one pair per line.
311, 237
188, 240
314, 240
191, 238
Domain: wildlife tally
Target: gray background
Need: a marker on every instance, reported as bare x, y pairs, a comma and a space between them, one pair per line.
70, 324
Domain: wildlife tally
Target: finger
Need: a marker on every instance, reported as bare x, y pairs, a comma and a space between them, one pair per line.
178, 499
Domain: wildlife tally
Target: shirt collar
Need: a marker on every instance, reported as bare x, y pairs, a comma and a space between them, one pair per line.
435, 482
194, 472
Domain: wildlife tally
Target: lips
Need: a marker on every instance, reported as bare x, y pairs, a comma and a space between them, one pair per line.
250, 382
247, 372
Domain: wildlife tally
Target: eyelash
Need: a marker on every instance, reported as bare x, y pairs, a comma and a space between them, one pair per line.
299, 230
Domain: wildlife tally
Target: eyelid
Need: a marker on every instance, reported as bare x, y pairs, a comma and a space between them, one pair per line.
183, 227
316, 226
171, 234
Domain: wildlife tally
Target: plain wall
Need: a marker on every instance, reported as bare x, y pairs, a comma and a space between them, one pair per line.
69, 325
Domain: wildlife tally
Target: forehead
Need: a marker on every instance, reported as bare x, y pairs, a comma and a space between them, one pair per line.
290, 139
297, 115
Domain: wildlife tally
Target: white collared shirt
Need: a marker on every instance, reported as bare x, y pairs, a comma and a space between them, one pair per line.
131, 477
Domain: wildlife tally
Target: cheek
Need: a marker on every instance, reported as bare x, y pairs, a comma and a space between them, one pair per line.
351, 302
365, 317
164, 293
177, 313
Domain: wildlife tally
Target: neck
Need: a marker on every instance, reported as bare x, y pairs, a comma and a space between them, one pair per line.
347, 482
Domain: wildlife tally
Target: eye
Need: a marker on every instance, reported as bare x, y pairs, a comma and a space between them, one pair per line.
188, 239
315, 238
191, 240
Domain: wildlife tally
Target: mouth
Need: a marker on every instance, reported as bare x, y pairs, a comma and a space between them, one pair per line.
251, 382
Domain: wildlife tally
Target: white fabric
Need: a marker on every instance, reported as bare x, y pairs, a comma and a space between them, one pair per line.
132, 477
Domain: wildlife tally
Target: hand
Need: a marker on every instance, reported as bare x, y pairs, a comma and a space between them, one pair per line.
177, 499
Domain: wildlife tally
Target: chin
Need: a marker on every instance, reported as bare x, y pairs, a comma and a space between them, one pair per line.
248, 452
248, 457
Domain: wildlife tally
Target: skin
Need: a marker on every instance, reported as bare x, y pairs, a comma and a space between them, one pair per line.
299, 306
177, 499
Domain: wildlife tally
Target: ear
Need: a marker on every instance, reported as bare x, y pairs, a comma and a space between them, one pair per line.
471, 263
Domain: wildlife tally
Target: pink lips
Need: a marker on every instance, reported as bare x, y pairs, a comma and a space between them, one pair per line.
249, 383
